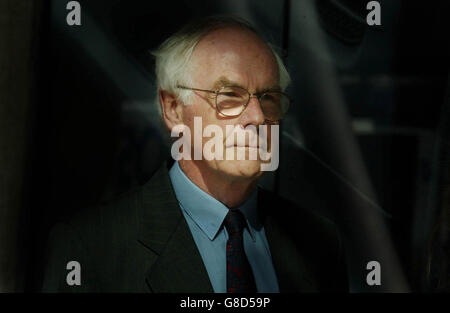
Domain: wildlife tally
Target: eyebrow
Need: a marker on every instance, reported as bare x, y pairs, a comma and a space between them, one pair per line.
223, 81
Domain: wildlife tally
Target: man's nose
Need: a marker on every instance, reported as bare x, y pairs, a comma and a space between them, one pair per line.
253, 113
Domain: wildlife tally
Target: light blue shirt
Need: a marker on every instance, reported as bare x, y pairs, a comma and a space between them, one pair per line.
204, 216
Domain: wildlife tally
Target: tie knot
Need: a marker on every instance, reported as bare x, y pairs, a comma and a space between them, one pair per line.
234, 222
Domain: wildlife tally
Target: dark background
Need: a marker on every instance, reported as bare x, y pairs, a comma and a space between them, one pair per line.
365, 143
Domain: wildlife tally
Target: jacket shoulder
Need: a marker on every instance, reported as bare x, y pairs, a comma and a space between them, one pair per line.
316, 239
98, 238
301, 221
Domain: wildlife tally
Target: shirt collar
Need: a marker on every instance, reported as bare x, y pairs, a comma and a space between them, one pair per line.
206, 211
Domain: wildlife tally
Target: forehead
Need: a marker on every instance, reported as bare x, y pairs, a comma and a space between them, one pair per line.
236, 54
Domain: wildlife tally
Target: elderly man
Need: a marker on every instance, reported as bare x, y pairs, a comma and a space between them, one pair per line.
201, 224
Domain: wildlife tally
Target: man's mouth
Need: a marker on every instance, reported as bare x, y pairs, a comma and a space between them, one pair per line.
246, 146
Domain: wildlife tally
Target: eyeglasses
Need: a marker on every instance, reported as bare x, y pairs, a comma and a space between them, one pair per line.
231, 101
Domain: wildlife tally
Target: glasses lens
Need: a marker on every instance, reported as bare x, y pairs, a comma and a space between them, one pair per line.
274, 105
231, 101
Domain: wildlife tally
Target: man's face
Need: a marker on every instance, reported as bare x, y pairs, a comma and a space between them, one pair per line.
230, 57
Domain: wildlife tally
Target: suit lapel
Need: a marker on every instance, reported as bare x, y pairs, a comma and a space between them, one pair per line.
164, 231
290, 267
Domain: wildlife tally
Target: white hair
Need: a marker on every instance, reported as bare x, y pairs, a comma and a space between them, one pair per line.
172, 64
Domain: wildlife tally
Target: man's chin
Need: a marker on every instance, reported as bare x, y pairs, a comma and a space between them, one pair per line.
241, 168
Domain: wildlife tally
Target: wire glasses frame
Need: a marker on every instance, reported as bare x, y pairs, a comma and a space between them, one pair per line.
231, 101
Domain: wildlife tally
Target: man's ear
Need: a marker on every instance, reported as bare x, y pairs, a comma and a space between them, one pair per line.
171, 109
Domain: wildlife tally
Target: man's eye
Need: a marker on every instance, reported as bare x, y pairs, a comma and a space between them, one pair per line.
229, 94
269, 97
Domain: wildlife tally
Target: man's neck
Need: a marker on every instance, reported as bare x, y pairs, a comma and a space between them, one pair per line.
230, 191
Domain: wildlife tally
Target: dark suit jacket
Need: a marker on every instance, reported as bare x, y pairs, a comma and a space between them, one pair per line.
141, 242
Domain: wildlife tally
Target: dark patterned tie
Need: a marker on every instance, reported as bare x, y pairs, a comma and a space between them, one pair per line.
239, 273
